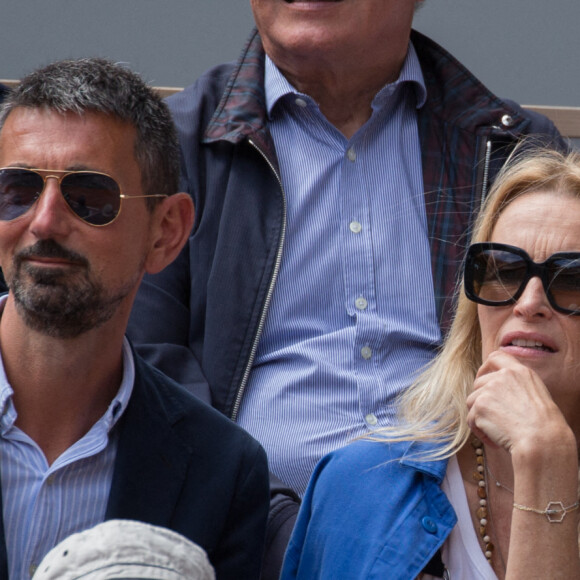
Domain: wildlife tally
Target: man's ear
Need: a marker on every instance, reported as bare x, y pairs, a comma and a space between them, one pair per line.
172, 222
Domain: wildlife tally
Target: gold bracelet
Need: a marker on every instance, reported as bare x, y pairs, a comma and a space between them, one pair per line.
555, 511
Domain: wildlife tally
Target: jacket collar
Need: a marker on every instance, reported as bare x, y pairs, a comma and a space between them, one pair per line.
415, 449
457, 97
242, 110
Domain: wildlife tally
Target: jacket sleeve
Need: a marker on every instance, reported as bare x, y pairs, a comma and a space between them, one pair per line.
240, 554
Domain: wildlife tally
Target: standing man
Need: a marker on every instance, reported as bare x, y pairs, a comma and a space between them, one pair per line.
89, 431
336, 171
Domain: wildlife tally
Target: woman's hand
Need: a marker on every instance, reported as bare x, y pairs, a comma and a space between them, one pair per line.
512, 407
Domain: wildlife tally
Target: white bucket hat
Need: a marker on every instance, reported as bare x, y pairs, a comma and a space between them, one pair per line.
125, 549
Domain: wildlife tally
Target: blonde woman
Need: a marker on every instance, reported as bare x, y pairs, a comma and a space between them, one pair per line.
480, 479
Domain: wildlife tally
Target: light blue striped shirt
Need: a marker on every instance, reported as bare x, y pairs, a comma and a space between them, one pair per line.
353, 314
44, 504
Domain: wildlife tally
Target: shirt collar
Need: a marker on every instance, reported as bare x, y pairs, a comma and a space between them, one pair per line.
8, 413
412, 75
121, 400
277, 85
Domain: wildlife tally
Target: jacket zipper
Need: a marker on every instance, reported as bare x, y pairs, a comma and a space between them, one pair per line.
486, 171
266, 305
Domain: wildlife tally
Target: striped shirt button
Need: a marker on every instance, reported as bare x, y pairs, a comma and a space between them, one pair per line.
355, 227
351, 154
366, 352
301, 102
371, 419
361, 303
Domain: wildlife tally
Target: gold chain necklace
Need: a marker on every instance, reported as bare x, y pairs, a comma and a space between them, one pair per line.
497, 482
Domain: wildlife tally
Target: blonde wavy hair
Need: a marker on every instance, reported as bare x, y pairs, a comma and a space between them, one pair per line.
433, 408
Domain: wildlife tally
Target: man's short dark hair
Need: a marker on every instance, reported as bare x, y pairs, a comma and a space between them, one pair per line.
98, 85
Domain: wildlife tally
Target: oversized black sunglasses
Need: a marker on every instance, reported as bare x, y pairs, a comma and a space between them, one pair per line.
497, 274
92, 196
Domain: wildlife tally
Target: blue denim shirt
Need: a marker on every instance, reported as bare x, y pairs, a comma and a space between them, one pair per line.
370, 511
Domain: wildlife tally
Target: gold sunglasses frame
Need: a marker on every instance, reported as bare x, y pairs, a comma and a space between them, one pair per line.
60, 174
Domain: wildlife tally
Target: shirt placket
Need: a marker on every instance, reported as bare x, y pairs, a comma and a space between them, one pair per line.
359, 277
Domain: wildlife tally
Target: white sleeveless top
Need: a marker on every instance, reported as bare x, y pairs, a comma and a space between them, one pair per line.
461, 552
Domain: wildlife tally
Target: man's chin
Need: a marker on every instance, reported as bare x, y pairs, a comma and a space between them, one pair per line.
48, 277
55, 309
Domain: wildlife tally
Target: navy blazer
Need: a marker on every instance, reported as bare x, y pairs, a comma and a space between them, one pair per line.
182, 465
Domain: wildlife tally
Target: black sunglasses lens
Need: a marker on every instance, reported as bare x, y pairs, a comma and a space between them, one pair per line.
19, 189
497, 275
95, 198
564, 288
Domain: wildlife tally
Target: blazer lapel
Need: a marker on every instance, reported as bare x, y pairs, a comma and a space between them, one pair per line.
152, 461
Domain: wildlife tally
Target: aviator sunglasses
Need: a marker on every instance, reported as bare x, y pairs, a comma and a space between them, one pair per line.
92, 196
497, 274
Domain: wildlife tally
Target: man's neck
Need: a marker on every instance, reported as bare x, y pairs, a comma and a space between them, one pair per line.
344, 88
61, 387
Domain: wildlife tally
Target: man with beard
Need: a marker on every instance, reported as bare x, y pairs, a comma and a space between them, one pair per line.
89, 432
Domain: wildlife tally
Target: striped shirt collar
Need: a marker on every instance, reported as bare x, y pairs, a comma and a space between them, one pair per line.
277, 86
8, 413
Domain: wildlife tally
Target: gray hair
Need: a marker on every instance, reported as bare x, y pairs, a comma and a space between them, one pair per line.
98, 85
